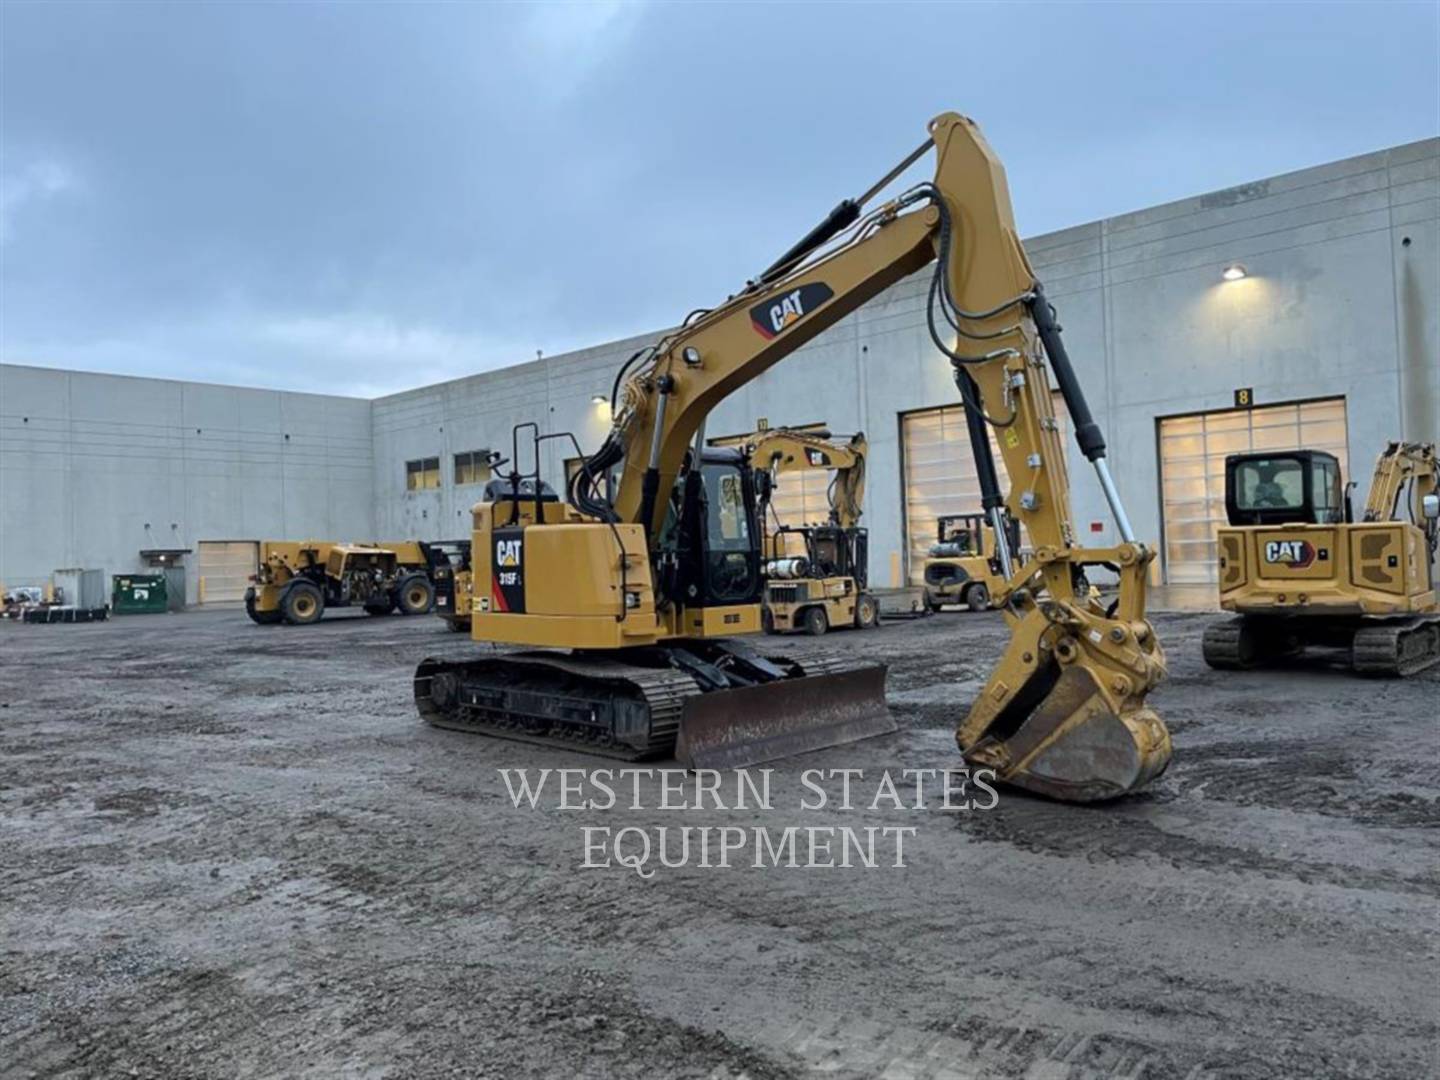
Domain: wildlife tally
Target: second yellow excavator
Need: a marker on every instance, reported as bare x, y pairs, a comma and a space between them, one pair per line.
1298, 571
636, 592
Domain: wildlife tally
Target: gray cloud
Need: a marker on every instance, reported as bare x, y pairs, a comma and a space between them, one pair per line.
361, 198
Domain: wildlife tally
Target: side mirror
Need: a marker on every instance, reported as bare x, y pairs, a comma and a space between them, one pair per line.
1430, 506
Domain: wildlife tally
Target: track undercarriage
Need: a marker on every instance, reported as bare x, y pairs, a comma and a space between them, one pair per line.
1397, 646
714, 704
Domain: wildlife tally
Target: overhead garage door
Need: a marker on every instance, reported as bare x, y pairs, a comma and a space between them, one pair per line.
1192, 470
802, 498
225, 568
940, 475
799, 497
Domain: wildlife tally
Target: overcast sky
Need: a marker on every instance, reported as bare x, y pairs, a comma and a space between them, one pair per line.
360, 198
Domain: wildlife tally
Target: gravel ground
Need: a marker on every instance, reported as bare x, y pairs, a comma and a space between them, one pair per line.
233, 850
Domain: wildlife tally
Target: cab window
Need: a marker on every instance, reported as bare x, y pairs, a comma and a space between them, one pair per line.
1270, 484
1325, 485
728, 523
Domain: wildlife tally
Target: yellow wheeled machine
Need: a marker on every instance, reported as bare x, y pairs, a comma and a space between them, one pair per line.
637, 592
964, 566
453, 592
1298, 571
816, 574
299, 580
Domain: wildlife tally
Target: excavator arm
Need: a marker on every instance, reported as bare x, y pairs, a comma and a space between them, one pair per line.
1064, 713
1403, 465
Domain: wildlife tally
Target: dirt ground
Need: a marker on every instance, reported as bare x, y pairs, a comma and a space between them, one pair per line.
234, 850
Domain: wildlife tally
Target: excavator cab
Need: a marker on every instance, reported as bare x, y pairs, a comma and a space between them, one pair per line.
711, 537
1293, 487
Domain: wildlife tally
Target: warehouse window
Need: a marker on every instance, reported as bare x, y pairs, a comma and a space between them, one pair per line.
422, 474
472, 467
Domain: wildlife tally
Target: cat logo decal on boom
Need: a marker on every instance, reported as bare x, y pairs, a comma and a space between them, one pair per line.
772, 317
1296, 554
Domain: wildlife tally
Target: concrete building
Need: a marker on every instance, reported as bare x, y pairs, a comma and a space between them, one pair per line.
96, 469
1330, 339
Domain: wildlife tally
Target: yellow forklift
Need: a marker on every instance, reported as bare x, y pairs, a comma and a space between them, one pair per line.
964, 566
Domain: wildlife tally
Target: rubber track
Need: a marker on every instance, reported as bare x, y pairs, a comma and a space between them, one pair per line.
665, 691
1221, 645
1398, 648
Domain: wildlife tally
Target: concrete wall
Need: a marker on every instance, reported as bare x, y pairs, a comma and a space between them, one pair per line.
1336, 303
94, 468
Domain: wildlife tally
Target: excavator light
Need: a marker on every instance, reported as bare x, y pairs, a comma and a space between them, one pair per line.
1430, 506
632, 599
691, 355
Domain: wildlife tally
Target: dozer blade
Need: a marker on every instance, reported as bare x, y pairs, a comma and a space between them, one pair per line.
732, 729
1070, 722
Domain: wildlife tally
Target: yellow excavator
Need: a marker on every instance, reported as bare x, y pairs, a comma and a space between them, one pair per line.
1299, 571
815, 573
636, 592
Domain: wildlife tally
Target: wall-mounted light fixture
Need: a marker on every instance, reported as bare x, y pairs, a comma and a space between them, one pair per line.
599, 399
1234, 272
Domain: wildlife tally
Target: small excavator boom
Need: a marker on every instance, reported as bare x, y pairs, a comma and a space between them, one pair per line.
1403, 465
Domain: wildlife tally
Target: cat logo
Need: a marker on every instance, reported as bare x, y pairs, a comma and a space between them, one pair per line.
773, 316
507, 583
1296, 554
507, 552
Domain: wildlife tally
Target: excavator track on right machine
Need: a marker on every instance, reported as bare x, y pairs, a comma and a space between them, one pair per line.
1299, 571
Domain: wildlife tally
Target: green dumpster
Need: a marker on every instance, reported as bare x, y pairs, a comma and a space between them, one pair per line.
139, 594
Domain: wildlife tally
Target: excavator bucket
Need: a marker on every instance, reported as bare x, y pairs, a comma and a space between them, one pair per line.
731, 729
1064, 714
